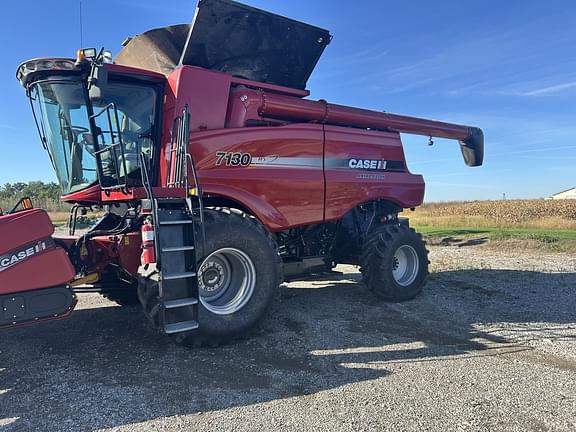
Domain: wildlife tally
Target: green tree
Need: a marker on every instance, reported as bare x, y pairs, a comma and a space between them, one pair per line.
43, 195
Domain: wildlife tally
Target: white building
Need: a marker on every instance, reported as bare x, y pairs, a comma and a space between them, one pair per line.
567, 194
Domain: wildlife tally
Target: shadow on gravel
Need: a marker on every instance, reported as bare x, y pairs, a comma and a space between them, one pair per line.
105, 367
460, 242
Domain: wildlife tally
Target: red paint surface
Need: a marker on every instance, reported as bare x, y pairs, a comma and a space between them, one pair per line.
234, 115
279, 196
256, 105
123, 250
129, 247
48, 268
139, 193
24, 227
348, 188
90, 195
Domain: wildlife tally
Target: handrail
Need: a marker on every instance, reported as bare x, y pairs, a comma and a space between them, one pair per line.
112, 147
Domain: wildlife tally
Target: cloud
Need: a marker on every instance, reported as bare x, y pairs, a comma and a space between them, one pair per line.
553, 89
537, 150
366, 55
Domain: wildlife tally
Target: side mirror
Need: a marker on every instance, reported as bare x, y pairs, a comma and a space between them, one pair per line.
97, 82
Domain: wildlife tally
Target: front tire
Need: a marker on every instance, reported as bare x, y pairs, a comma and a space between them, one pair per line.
238, 280
394, 263
123, 298
119, 290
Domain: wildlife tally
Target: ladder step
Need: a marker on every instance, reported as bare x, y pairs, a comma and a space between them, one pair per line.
178, 249
178, 303
171, 201
180, 327
174, 276
176, 222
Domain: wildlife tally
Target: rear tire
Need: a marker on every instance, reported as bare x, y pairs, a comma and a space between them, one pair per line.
394, 263
234, 241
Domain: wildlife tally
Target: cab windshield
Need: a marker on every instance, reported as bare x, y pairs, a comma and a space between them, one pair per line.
62, 111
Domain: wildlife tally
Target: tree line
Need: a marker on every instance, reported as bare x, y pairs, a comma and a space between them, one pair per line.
44, 195
35, 189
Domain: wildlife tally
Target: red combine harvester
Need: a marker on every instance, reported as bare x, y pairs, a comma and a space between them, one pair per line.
219, 179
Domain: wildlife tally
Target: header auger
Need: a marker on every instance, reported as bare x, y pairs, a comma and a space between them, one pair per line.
219, 179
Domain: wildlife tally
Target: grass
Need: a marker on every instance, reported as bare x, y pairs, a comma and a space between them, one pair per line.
498, 233
531, 224
59, 217
510, 239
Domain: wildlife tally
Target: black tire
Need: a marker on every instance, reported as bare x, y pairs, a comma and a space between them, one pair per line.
227, 228
380, 260
123, 298
119, 290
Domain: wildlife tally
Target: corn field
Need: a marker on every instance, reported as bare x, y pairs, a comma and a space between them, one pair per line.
559, 214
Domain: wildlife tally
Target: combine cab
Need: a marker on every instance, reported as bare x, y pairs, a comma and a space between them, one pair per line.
219, 178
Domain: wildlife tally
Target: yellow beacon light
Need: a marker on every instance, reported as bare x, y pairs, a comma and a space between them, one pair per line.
85, 54
80, 56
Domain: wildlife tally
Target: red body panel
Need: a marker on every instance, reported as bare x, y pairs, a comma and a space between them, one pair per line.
138, 194
205, 93
347, 188
129, 248
123, 250
297, 141
49, 269
288, 188
90, 195
285, 190
37, 267
24, 227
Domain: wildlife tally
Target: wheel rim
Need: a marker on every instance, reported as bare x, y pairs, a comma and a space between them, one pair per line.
226, 281
405, 265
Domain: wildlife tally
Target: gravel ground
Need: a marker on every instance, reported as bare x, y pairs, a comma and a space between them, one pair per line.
489, 346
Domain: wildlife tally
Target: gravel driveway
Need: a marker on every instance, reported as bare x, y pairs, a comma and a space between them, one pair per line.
489, 346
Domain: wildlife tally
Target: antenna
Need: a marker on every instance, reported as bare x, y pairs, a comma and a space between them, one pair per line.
81, 41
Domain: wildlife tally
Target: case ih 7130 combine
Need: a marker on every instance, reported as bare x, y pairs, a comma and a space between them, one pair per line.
219, 178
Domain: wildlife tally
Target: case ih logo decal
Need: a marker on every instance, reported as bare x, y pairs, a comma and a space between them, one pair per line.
13, 258
237, 159
367, 164
370, 164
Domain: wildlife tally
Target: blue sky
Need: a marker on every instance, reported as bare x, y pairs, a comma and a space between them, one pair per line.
508, 67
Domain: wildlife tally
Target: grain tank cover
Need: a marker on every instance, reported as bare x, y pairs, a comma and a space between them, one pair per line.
157, 50
237, 39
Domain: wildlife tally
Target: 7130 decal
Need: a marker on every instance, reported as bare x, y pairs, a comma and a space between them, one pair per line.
233, 159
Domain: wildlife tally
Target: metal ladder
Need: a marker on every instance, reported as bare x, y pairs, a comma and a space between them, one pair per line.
178, 283
175, 232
